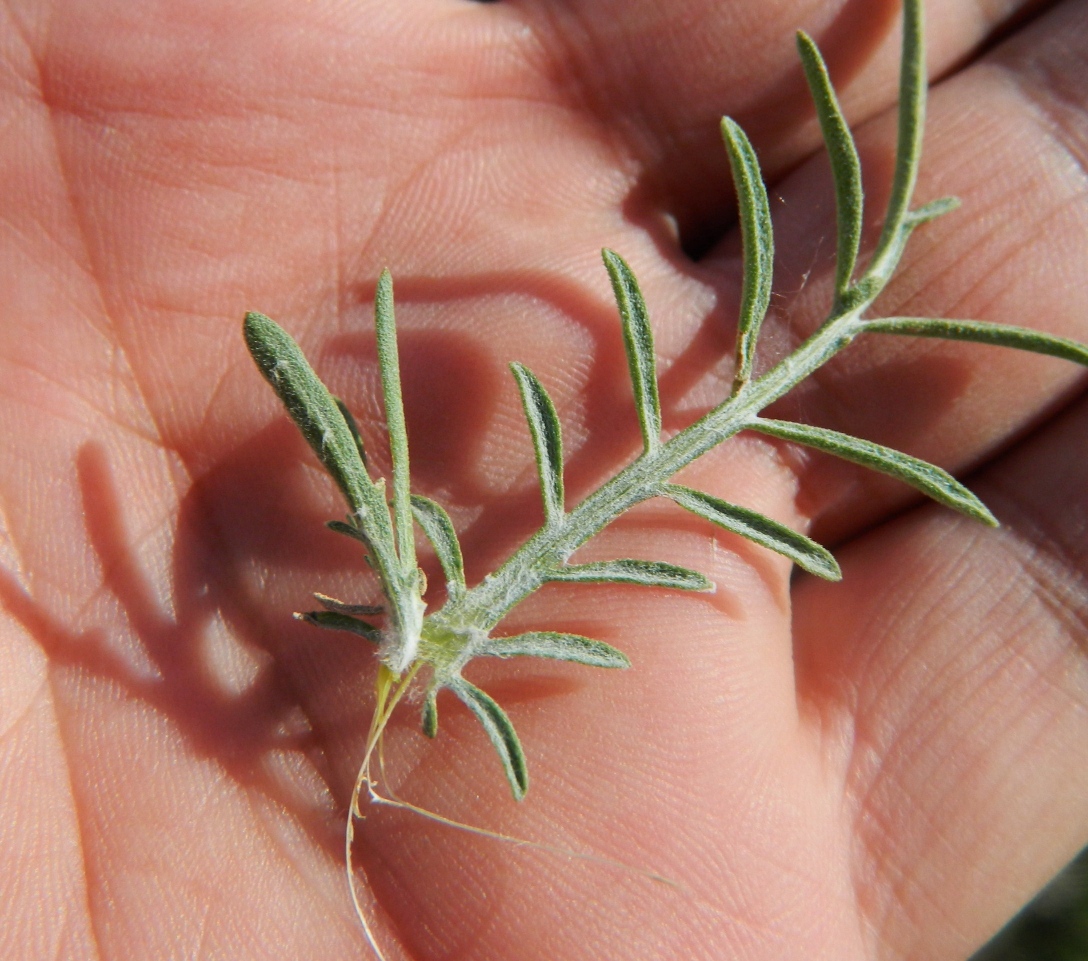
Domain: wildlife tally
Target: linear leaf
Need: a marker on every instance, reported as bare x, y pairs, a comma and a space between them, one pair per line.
438, 527
638, 341
317, 416
912, 110
310, 406
547, 440
332, 604
349, 419
805, 553
758, 241
843, 154
647, 573
933, 210
348, 530
334, 621
430, 714
501, 732
998, 335
558, 647
926, 477
389, 364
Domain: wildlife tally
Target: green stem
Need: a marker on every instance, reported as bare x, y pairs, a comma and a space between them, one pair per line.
483, 606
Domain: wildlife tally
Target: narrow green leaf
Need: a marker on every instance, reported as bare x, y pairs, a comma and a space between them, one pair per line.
499, 730
998, 335
843, 154
638, 341
349, 419
334, 621
547, 440
758, 240
389, 363
933, 210
430, 714
926, 477
647, 573
315, 413
912, 110
332, 604
805, 553
438, 527
310, 406
558, 647
348, 530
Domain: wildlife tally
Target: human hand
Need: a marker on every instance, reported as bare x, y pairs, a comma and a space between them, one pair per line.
882, 768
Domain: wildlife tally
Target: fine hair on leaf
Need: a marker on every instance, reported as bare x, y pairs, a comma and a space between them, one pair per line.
928, 478
547, 440
845, 164
630, 571
498, 727
638, 340
757, 236
336, 621
436, 524
557, 647
756, 527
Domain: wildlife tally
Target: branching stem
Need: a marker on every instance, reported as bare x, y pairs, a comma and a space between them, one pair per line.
484, 605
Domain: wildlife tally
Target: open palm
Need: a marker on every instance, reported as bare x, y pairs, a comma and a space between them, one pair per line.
883, 768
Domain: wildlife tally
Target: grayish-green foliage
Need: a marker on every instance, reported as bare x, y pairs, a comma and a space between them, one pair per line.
646, 573
547, 440
758, 239
638, 341
845, 165
389, 364
436, 524
335, 621
332, 604
557, 647
349, 419
500, 730
926, 477
311, 406
450, 636
998, 335
805, 553
430, 714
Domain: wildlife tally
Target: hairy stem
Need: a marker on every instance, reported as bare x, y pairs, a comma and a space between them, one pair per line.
484, 605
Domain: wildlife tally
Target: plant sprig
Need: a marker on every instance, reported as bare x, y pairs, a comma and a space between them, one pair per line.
443, 641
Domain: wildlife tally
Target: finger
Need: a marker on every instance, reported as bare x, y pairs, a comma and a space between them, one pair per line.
950, 677
663, 75
1007, 136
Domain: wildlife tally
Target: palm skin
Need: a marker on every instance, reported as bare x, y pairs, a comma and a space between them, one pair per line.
883, 768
